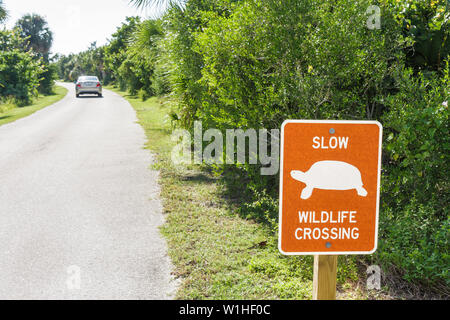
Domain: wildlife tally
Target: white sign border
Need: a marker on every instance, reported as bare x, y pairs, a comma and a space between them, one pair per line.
280, 204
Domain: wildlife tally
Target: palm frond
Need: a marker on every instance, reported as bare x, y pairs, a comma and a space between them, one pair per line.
3, 12
157, 3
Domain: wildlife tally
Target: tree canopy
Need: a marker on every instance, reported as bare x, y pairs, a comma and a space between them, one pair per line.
35, 30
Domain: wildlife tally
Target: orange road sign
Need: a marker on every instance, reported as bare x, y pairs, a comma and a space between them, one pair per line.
329, 187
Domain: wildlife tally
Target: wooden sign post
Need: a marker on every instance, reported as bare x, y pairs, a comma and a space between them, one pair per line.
329, 193
324, 281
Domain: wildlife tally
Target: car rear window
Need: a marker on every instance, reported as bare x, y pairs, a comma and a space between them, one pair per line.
87, 79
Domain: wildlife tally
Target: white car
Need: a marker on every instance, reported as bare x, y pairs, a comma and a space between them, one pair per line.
88, 85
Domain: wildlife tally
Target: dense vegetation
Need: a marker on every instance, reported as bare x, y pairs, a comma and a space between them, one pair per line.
25, 68
254, 63
19, 71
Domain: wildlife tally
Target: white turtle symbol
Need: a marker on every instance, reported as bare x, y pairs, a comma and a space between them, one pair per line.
330, 175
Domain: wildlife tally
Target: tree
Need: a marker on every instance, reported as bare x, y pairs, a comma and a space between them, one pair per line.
3, 12
39, 40
35, 29
115, 51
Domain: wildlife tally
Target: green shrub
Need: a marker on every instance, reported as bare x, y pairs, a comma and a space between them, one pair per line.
19, 71
295, 59
160, 81
19, 76
414, 221
143, 94
416, 159
48, 78
415, 243
426, 23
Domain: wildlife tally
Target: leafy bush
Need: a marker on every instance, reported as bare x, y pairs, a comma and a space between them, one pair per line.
414, 242
24, 61
417, 144
426, 23
48, 78
296, 59
414, 228
19, 71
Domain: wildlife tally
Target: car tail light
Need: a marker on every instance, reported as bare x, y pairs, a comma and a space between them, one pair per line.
98, 85
79, 85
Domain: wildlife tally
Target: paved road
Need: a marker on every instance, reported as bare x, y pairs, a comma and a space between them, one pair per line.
79, 207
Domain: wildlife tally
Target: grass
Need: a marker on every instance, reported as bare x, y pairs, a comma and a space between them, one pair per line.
218, 253
10, 112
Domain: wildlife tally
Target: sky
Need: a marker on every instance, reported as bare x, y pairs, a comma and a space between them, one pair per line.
76, 23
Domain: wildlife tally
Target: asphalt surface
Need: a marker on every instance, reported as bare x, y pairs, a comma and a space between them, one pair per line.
79, 205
